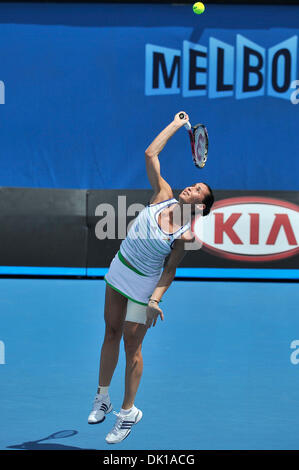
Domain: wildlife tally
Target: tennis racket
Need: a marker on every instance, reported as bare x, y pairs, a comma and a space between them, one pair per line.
199, 140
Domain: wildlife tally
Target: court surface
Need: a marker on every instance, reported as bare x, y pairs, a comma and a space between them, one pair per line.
217, 372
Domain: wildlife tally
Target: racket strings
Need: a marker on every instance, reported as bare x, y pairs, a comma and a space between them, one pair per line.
200, 146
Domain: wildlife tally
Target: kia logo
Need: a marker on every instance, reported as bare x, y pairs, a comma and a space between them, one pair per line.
250, 229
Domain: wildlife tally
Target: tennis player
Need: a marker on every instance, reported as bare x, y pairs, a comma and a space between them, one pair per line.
136, 281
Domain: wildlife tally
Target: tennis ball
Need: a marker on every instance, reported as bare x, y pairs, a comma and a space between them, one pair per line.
198, 8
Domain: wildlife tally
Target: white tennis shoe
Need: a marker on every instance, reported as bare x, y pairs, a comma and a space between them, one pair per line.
123, 426
101, 407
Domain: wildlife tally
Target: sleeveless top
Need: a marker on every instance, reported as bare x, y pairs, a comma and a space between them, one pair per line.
147, 245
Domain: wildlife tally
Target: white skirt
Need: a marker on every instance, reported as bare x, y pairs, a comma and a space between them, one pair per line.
137, 288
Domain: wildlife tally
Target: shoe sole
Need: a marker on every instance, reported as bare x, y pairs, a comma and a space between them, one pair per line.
102, 420
138, 418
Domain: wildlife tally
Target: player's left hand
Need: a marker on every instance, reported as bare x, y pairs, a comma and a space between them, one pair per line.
153, 311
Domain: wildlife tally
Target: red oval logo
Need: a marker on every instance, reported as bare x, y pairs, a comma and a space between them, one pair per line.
250, 229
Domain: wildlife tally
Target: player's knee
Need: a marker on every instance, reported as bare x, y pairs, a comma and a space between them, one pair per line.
132, 347
133, 356
113, 334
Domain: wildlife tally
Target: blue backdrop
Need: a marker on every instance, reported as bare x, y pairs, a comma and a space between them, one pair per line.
87, 87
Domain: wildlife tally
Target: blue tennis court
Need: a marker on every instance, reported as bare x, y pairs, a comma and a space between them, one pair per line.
217, 373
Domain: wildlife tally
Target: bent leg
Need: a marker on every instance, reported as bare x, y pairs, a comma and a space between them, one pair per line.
133, 336
115, 312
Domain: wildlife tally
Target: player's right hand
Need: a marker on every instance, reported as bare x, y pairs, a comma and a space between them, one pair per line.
181, 122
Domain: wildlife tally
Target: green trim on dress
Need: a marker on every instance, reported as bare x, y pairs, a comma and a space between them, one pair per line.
122, 259
125, 295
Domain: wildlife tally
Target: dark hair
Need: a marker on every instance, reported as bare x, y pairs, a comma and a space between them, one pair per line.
208, 200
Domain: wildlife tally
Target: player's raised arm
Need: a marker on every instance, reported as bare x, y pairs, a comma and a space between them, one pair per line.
161, 188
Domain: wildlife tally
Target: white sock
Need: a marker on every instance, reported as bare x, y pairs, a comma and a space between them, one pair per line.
103, 390
126, 412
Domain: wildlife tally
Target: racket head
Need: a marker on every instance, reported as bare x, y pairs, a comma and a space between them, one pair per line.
61, 434
199, 144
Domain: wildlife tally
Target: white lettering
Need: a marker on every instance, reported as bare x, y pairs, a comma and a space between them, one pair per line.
2, 352
2, 92
294, 98
294, 356
105, 228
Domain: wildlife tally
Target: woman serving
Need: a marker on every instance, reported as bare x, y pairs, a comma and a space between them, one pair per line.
137, 280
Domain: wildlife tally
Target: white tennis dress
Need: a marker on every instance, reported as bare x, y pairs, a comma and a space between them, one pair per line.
145, 248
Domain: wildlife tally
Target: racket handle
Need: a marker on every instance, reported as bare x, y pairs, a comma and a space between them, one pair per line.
187, 125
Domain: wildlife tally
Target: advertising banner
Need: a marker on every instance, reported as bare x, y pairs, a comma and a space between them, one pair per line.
84, 94
246, 233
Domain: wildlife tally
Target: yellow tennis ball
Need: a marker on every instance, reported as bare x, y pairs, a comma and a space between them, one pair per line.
198, 8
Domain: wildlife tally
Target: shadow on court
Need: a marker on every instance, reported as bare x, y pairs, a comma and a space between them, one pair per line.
35, 445
236, 358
